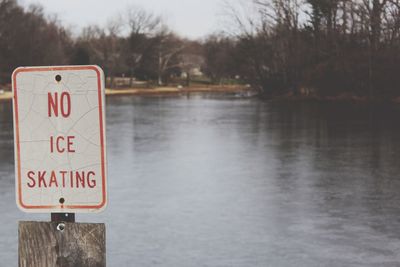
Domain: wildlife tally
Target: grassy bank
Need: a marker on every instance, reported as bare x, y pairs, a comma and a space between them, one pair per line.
164, 91
5, 96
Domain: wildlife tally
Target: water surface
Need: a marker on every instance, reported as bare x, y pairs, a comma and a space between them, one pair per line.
197, 181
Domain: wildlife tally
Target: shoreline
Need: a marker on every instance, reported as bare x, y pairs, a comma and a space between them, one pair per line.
237, 90
341, 98
163, 91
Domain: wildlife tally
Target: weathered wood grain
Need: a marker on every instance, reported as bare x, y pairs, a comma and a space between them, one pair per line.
41, 244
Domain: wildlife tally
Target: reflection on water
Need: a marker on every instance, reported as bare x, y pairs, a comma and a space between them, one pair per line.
219, 182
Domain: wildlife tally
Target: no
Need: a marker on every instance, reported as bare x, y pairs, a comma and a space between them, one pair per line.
56, 104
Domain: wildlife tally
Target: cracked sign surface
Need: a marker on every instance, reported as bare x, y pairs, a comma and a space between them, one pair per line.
59, 133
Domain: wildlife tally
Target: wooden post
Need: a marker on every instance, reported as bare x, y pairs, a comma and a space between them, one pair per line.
61, 244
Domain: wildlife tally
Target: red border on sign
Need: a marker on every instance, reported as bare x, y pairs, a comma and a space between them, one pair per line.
100, 98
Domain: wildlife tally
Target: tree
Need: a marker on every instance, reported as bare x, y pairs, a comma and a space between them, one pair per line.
141, 25
169, 47
28, 38
104, 47
218, 57
191, 58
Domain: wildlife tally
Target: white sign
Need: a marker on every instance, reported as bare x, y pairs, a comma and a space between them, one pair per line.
59, 134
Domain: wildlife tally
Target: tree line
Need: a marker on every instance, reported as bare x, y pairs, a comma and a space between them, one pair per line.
136, 44
322, 47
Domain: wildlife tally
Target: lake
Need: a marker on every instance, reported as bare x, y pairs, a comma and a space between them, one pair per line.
216, 181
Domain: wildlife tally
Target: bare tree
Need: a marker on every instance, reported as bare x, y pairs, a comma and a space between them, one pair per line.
169, 48
141, 25
104, 46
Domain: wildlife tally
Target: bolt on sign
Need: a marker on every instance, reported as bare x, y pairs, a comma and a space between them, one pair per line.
59, 134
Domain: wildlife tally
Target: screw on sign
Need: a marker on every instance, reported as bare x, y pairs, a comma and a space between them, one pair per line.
59, 136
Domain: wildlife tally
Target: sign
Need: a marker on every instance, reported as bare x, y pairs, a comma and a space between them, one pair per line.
59, 134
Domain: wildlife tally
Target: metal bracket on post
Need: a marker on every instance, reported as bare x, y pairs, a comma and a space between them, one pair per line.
63, 217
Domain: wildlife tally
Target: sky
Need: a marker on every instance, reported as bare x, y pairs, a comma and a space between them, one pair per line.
189, 18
